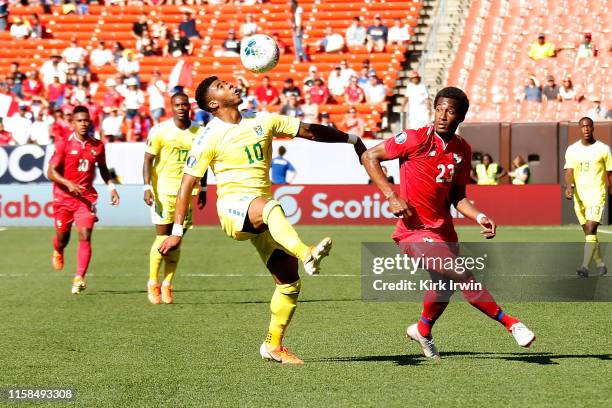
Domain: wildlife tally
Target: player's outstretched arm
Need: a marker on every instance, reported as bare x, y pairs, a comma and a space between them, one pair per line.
371, 161
326, 134
183, 199
149, 198
465, 207
107, 179
569, 183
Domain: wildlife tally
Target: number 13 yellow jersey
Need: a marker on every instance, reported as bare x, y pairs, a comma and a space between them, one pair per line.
590, 165
239, 154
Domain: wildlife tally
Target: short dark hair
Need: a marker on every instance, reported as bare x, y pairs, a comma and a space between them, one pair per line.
457, 94
201, 95
179, 94
282, 150
587, 118
80, 109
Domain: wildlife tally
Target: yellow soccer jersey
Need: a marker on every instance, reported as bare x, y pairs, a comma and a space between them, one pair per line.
170, 145
590, 165
240, 154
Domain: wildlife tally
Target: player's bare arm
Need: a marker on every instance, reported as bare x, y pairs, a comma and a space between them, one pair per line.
149, 198
183, 199
569, 183
107, 179
371, 161
465, 207
56, 177
326, 134
203, 189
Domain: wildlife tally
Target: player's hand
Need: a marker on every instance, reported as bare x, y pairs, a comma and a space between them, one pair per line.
201, 200
149, 198
488, 227
114, 197
169, 244
569, 192
398, 206
360, 148
74, 188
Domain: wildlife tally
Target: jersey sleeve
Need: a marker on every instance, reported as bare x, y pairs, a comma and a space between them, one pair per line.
608, 159
465, 167
101, 159
201, 154
154, 142
283, 126
402, 145
290, 166
569, 159
58, 155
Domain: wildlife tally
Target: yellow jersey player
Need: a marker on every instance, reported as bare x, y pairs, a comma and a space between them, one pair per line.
238, 148
167, 147
588, 163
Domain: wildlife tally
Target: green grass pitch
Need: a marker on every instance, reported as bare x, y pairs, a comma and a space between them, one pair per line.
117, 350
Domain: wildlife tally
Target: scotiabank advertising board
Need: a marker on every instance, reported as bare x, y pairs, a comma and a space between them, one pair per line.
365, 205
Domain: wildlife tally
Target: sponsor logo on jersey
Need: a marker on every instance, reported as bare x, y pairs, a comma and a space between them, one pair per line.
401, 137
457, 159
191, 161
432, 153
258, 130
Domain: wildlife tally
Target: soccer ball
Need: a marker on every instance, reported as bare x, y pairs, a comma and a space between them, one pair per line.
259, 53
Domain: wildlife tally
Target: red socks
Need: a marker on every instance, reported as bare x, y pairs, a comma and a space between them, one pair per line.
83, 257
55, 244
432, 310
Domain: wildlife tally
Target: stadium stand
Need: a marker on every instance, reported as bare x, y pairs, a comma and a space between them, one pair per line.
114, 24
493, 64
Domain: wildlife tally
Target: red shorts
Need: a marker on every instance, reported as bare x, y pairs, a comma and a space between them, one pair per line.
67, 210
430, 245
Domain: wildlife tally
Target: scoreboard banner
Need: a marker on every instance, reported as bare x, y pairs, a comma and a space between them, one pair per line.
365, 205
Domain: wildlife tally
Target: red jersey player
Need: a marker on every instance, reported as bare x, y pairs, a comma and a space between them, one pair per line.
435, 167
72, 170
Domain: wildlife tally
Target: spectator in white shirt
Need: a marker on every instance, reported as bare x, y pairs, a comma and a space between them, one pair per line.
128, 65
157, 92
19, 30
355, 33
418, 102
111, 126
249, 27
596, 113
53, 67
335, 83
398, 34
133, 101
333, 42
346, 73
19, 126
375, 91
101, 56
310, 110
40, 129
73, 53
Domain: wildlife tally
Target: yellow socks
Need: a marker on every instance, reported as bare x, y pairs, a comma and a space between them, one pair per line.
282, 231
591, 251
282, 306
155, 259
171, 263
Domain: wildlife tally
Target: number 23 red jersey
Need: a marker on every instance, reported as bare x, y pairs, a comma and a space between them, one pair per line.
429, 169
76, 161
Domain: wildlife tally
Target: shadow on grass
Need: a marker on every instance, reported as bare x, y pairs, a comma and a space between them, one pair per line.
132, 292
267, 302
412, 359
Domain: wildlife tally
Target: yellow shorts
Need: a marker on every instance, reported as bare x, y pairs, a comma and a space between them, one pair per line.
589, 210
232, 213
162, 211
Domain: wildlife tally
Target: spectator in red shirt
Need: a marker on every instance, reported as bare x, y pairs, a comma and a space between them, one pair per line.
111, 98
266, 94
32, 86
56, 93
352, 123
5, 137
95, 111
319, 92
354, 94
61, 128
283, 47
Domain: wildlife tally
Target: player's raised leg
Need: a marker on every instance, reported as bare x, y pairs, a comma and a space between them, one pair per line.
264, 211
83, 258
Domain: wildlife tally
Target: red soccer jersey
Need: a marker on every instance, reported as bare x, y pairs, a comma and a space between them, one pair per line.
76, 161
429, 168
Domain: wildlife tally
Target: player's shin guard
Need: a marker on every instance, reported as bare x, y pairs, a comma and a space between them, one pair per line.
83, 258
591, 251
482, 300
282, 231
432, 310
282, 306
170, 264
155, 259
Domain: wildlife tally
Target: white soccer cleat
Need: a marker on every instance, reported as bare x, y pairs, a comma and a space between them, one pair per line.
521, 333
427, 344
317, 253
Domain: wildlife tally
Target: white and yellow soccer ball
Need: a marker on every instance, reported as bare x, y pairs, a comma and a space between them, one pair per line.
259, 53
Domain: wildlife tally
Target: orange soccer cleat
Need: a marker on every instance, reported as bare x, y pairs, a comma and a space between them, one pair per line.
279, 354
58, 260
166, 294
154, 293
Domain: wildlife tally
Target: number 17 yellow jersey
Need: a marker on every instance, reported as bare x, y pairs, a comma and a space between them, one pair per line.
239, 154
